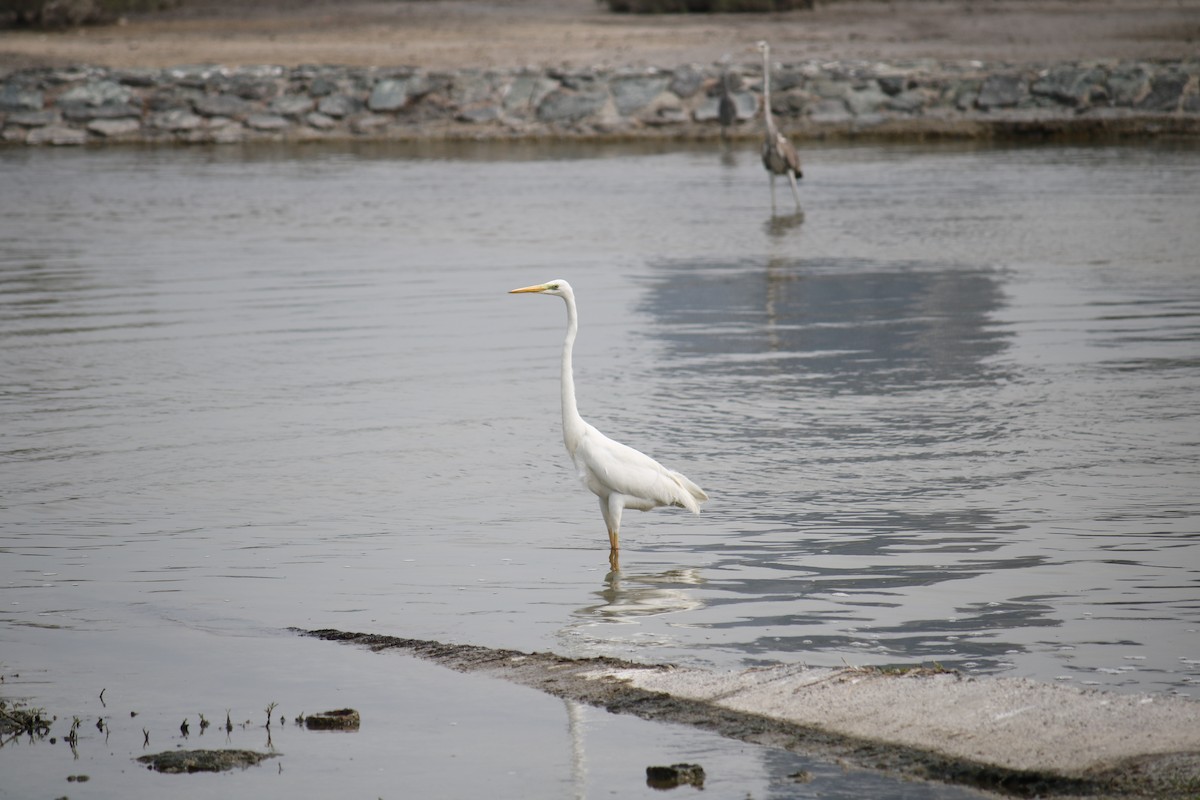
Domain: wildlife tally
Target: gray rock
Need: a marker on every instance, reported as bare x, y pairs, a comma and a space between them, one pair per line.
527, 91
176, 119
893, 85
421, 84
1191, 104
390, 94
110, 128
666, 116
83, 113
142, 78
291, 105
793, 103
472, 87
56, 135
222, 105
633, 94
195, 76
267, 122
16, 98
34, 119
829, 89
1127, 84
97, 93
228, 134
1074, 86
1001, 91
339, 105
865, 101
14, 135
685, 82
965, 99
747, 105
829, 110
253, 86
321, 122
564, 105
786, 78
910, 101
322, 86
486, 112
1166, 90
576, 81
369, 123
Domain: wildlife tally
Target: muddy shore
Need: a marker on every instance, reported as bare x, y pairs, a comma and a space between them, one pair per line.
1010, 736
217, 72
574, 34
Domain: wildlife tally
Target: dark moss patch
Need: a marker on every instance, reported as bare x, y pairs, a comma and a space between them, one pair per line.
177, 761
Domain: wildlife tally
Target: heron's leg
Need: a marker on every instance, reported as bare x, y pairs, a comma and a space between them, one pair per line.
772, 174
795, 191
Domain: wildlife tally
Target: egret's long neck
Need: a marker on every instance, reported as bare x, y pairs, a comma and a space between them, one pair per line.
767, 92
572, 423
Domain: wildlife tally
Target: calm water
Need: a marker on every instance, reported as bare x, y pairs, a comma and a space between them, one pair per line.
951, 416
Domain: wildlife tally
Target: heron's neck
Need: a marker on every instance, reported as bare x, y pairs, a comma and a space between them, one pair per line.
572, 422
767, 94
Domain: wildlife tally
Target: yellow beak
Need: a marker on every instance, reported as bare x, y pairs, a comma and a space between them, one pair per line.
541, 287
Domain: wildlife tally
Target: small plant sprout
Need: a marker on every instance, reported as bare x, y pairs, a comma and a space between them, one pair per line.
183, 727
203, 723
270, 711
73, 737
228, 723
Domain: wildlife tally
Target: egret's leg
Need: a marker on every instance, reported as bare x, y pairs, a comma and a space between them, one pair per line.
772, 174
611, 508
795, 190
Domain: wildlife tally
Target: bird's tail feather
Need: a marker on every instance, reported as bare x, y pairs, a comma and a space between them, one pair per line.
691, 496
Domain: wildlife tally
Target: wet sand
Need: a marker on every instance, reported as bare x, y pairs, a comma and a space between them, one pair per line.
458, 34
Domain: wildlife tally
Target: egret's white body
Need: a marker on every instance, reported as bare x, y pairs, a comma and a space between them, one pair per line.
618, 475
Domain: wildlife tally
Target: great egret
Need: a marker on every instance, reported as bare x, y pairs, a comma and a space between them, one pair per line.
778, 155
617, 474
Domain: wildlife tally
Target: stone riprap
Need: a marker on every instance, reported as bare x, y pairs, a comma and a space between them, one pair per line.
214, 104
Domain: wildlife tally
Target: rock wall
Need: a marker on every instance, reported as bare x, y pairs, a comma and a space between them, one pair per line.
209, 103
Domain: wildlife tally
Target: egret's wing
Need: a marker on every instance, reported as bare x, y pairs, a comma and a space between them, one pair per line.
630, 472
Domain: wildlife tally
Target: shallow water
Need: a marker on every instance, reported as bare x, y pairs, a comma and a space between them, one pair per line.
948, 416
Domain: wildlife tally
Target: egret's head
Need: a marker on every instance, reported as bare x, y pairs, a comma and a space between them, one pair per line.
762, 47
557, 287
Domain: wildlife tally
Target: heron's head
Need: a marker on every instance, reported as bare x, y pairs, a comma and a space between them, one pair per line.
556, 287
762, 47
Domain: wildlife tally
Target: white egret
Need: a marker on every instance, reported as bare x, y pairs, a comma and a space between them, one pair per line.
778, 155
617, 474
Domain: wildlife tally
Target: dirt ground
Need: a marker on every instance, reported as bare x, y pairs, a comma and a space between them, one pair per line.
454, 34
